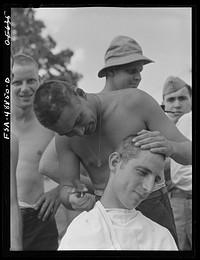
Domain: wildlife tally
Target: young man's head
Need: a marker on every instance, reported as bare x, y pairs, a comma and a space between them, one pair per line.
177, 97
124, 62
62, 108
133, 174
25, 80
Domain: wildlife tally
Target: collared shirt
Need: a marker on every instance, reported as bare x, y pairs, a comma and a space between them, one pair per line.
181, 175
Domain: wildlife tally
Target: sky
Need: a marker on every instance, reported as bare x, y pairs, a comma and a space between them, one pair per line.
165, 35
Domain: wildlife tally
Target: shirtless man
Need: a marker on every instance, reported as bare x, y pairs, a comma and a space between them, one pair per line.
15, 218
38, 208
90, 126
124, 63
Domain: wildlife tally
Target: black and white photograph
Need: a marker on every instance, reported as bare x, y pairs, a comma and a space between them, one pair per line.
97, 114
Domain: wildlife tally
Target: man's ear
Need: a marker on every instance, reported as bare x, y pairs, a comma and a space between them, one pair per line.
110, 72
113, 160
80, 93
40, 80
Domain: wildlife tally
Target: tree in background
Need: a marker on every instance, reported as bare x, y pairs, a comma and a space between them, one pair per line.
26, 37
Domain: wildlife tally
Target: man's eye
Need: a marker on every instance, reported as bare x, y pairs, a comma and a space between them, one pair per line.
182, 98
16, 83
131, 71
31, 81
142, 173
157, 178
170, 100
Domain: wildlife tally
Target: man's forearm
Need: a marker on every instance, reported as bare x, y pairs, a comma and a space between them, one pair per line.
182, 152
64, 196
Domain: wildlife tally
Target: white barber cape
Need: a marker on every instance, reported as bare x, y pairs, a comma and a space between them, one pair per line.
115, 229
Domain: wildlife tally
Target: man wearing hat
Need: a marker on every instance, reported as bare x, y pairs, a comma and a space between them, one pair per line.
177, 98
124, 62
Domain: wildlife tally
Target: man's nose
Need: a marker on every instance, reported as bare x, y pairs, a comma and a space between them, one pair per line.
177, 103
24, 87
148, 183
80, 131
137, 76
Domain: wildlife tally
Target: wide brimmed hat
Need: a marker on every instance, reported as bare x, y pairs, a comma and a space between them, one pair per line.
173, 84
122, 50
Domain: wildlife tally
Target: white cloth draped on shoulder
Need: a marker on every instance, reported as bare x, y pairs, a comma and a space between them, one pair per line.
115, 229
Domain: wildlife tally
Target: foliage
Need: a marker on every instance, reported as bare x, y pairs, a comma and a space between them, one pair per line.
26, 36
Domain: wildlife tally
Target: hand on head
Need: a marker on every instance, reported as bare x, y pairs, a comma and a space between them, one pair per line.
153, 141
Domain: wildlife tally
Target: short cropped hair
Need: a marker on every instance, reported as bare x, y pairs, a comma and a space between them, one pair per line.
23, 59
50, 99
127, 149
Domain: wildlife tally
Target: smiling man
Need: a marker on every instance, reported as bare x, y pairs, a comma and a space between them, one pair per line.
37, 207
114, 223
124, 61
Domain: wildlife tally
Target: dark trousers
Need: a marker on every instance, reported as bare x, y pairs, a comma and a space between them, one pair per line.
38, 235
157, 207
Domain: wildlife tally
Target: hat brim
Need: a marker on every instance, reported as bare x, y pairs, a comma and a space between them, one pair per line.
122, 61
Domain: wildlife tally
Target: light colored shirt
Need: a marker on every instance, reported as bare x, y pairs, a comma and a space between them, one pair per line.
24, 205
181, 175
115, 229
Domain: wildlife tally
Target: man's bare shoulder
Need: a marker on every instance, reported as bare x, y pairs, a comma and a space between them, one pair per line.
132, 93
130, 98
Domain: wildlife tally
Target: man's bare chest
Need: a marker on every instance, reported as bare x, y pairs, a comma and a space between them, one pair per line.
33, 139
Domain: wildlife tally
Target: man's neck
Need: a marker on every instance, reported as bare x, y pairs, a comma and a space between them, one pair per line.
96, 103
107, 198
109, 86
24, 114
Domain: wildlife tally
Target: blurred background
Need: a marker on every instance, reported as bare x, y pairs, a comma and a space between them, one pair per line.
70, 43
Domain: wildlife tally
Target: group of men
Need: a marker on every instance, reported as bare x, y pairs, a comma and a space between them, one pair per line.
122, 195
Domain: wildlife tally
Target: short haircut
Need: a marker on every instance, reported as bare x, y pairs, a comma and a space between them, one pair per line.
23, 59
127, 149
50, 99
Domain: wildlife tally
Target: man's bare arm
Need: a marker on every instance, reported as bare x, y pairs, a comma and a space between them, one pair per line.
163, 135
48, 164
69, 174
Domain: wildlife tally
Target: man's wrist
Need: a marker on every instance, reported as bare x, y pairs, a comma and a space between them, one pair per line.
174, 149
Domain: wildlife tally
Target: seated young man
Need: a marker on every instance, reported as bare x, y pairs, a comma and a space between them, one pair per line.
114, 223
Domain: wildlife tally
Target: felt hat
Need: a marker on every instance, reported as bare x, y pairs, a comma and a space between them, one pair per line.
122, 50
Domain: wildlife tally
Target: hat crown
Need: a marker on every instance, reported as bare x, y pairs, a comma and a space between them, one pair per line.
122, 50
173, 84
122, 46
